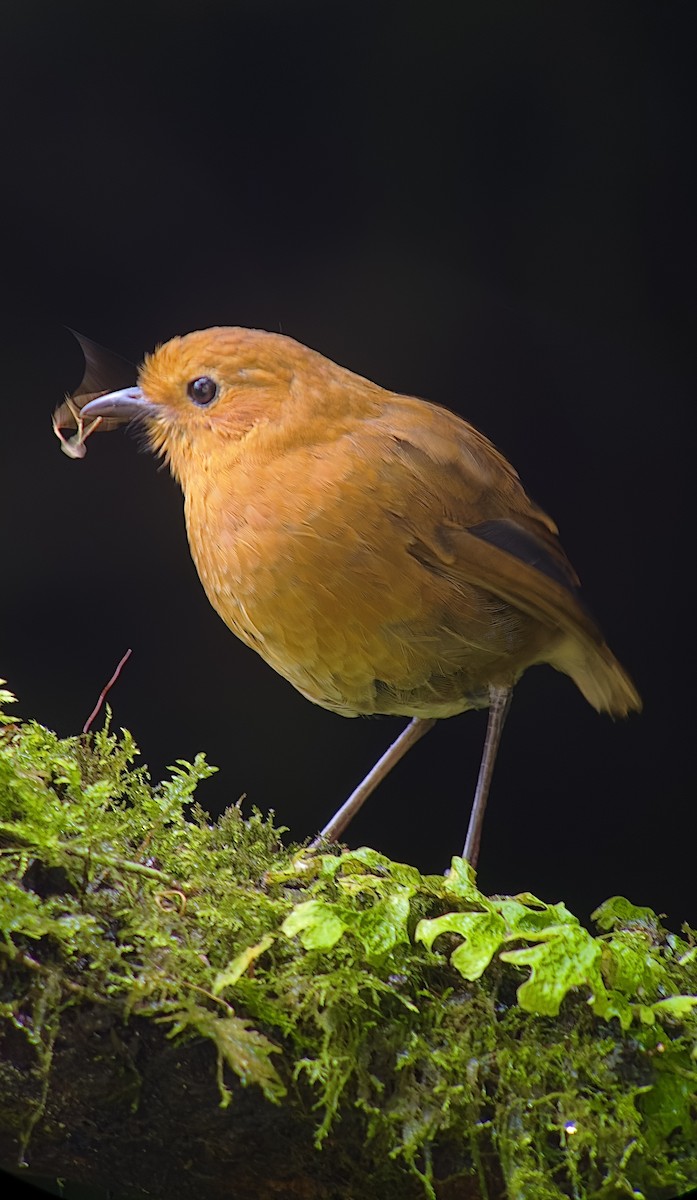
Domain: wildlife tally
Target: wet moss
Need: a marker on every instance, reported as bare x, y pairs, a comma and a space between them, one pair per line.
492, 1041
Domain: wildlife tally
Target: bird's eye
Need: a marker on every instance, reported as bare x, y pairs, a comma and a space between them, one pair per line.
203, 390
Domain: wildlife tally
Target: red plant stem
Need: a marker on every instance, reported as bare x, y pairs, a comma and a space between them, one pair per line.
105, 689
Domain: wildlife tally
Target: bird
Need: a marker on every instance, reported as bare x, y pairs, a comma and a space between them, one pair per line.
374, 548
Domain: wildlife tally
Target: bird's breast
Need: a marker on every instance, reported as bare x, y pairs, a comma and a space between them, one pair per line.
307, 560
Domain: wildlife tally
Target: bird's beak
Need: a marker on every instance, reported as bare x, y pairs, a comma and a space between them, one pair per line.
124, 404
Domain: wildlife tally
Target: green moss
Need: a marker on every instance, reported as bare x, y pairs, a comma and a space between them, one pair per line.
453, 1022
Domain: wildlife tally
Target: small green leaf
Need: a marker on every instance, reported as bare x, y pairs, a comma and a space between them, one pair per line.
484, 933
645, 1014
240, 964
527, 916
365, 861
566, 957
627, 964
316, 923
609, 1004
618, 911
676, 1007
383, 925
461, 880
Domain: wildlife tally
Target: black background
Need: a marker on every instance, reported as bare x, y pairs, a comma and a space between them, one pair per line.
486, 204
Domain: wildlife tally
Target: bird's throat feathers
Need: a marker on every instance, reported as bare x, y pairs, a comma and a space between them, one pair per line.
214, 442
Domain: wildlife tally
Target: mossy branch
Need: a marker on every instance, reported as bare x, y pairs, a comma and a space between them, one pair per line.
191, 1007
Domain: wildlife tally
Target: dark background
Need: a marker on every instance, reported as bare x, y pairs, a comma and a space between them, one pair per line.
488, 205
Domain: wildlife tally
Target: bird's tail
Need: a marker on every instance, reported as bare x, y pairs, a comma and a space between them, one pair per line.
598, 675
580, 650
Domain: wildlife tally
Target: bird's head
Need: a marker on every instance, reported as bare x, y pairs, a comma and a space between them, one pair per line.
223, 391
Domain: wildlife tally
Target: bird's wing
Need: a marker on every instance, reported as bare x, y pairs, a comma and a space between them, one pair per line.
467, 517
466, 487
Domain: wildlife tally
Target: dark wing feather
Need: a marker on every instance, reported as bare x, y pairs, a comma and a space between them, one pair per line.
474, 522
529, 547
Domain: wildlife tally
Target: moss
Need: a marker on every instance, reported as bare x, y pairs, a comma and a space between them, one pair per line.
468, 1035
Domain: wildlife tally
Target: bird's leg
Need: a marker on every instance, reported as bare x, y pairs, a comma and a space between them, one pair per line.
332, 831
499, 703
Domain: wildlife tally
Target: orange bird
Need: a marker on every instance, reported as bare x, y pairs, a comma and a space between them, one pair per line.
375, 549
